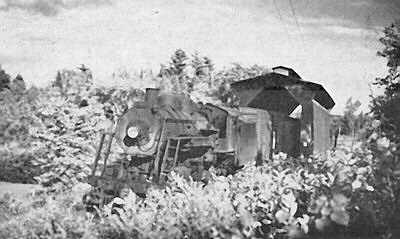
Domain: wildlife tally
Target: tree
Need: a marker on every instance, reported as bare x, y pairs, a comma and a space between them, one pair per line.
225, 77
196, 75
176, 72
384, 140
203, 68
349, 120
18, 85
386, 107
187, 74
4, 80
58, 80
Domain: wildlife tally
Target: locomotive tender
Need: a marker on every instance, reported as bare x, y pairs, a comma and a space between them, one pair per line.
278, 112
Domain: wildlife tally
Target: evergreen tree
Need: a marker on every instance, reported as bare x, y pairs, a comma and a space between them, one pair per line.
4, 80
18, 85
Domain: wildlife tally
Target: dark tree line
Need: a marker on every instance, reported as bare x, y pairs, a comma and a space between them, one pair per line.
17, 84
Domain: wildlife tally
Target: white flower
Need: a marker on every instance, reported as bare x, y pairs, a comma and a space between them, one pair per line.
356, 184
369, 188
282, 216
369, 157
383, 143
353, 161
282, 156
362, 170
376, 124
373, 136
303, 221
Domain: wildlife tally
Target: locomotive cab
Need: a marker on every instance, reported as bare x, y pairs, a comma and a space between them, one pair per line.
244, 133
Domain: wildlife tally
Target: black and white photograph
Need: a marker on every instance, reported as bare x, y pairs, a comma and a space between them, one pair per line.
147, 119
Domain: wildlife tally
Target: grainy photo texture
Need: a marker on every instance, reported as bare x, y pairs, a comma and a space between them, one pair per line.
199, 119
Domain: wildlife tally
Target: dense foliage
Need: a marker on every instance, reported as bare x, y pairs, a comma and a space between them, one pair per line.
384, 137
283, 198
49, 136
385, 106
17, 112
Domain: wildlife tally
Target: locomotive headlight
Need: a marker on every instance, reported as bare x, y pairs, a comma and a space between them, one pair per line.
132, 132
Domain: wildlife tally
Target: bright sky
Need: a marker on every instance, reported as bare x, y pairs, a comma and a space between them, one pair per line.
333, 43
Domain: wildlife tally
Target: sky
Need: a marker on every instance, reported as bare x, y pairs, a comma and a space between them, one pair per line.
333, 43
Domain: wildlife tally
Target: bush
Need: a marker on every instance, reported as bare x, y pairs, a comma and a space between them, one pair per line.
384, 139
17, 109
17, 164
284, 198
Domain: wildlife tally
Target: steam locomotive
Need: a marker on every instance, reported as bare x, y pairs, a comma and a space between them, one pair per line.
170, 132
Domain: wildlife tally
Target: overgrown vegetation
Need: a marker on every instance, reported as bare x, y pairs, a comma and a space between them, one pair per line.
49, 135
282, 198
385, 130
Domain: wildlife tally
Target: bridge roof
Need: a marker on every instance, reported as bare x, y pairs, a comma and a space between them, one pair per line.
250, 89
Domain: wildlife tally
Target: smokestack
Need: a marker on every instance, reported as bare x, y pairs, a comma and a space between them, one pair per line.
151, 96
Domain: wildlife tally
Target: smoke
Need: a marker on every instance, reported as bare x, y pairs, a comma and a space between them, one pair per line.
47, 7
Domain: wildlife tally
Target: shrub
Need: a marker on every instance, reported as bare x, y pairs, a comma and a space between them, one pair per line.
277, 200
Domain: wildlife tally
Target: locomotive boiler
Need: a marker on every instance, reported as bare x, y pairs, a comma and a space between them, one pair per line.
169, 132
